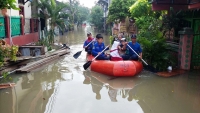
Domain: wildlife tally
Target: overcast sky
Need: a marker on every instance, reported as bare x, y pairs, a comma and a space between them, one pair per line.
86, 3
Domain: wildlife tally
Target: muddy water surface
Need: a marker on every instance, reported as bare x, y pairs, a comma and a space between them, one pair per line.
63, 86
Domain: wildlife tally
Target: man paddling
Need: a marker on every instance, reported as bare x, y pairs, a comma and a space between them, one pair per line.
88, 48
98, 47
136, 47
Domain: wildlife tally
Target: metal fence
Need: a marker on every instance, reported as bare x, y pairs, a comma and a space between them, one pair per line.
27, 25
2, 27
15, 26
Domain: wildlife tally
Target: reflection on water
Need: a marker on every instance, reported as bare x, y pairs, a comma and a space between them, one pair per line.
64, 86
123, 87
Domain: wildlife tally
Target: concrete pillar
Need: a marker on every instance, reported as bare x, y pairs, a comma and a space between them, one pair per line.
185, 48
22, 20
7, 24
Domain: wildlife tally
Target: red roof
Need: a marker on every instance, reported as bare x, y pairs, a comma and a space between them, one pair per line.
176, 4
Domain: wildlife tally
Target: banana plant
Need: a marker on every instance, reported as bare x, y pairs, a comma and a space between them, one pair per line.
53, 15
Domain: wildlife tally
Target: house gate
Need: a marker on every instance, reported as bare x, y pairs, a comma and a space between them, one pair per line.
195, 63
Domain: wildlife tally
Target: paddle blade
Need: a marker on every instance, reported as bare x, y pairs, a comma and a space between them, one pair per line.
150, 68
77, 54
87, 64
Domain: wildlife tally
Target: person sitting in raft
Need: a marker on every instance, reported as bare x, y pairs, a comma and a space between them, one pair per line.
122, 46
98, 47
88, 49
114, 52
136, 47
118, 38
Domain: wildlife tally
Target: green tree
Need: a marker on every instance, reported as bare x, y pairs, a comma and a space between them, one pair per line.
96, 17
119, 9
82, 14
8, 4
73, 9
54, 14
141, 8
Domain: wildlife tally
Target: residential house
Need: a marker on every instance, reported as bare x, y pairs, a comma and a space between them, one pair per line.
23, 28
188, 37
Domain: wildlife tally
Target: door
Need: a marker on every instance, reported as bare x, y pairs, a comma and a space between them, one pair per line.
195, 64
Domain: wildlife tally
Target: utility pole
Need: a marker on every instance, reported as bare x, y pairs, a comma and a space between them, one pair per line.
104, 4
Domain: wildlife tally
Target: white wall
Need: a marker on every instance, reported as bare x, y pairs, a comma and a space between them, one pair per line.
13, 12
27, 10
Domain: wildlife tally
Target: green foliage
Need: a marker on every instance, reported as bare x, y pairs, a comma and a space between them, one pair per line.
155, 49
119, 9
74, 4
155, 52
5, 74
53, 12
44, 42
7, 51
143, 8
111, 38
8, 4
82, 14
140, 8
96, 17
5, 77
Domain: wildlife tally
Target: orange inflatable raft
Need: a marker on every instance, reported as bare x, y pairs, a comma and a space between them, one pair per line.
115, 68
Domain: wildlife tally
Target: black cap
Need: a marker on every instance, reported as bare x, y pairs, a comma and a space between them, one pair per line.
133, 36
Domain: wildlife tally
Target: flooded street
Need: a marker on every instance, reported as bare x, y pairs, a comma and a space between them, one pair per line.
63, 86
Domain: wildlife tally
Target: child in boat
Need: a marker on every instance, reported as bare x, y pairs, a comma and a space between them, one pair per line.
120, 36
122, 47
117, 38
98, 47
114, 52
88, 49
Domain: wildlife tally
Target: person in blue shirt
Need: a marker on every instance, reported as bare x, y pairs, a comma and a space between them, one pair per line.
88, 49
130, 55
98, 47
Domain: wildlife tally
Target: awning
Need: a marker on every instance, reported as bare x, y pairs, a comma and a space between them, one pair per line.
176, 4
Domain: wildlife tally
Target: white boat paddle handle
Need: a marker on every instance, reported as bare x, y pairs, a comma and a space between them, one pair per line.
99, 53
137, 54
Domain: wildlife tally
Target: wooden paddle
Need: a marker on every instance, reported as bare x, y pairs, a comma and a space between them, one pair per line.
87, 64
79, 52
150, 68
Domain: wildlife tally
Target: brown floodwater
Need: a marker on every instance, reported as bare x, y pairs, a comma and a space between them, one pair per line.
63, 86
